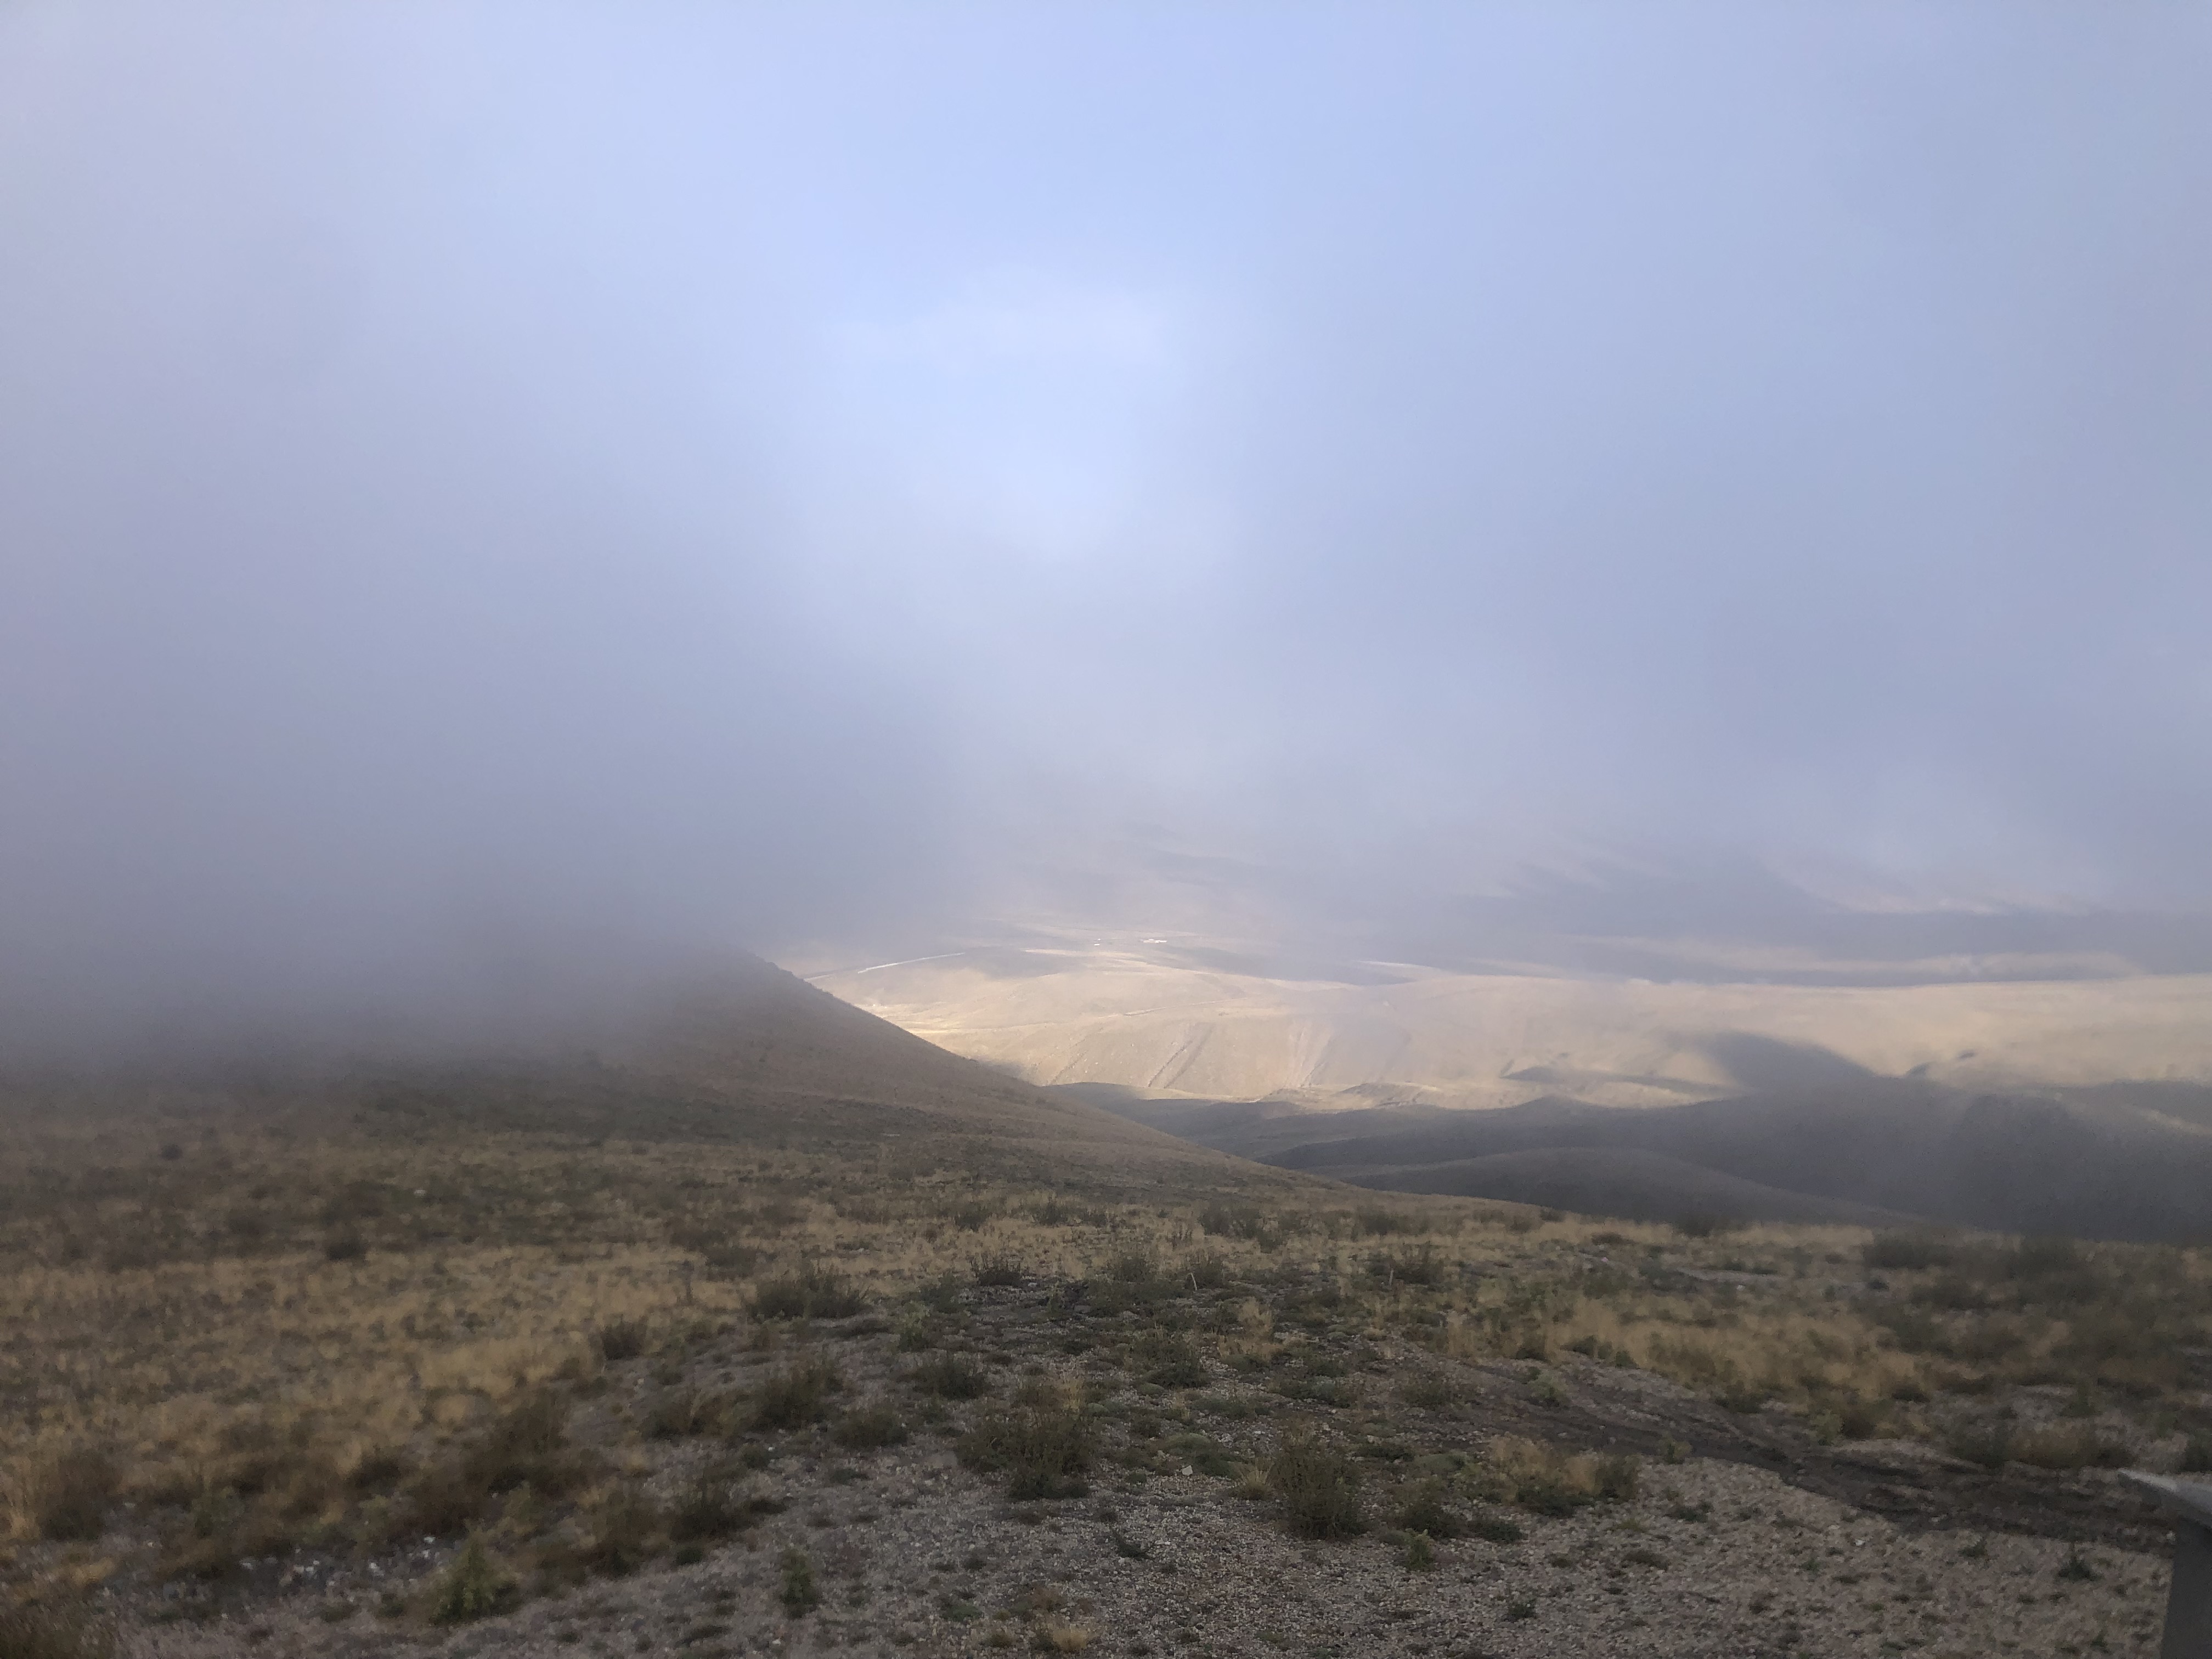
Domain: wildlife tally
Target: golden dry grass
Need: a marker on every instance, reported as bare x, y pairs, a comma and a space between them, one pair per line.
195, 1291
266, 1319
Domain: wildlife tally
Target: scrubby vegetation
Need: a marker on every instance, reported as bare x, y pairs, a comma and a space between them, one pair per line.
1318, 1487
561, 1359
1043, 1446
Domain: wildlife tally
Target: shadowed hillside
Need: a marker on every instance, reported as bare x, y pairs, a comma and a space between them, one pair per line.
1867, 1148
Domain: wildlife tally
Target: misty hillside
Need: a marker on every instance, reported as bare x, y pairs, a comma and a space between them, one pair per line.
759, 1039
1173, 1017
738, 1054
1874, 1150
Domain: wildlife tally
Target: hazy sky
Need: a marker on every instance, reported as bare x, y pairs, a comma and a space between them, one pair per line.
471, 471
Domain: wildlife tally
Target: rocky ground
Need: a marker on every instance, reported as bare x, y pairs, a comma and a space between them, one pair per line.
1742, 1535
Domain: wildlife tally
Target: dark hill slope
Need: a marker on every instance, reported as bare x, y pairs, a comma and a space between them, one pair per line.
2028, 1163
1619, 1181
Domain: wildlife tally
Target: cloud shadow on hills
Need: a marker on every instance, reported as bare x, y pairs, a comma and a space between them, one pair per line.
1767, 1065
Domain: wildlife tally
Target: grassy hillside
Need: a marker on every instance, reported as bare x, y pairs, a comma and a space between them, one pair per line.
771, 1323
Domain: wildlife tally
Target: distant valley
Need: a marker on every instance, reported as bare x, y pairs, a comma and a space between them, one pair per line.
2080, 1103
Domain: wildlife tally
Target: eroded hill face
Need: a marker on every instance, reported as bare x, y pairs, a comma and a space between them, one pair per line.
2080, 1105
1153, 1018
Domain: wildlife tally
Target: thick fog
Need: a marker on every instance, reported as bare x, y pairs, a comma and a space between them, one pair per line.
490, 495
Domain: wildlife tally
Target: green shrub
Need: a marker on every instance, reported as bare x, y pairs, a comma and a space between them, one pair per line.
1495, 1528
472, 1587
2197, 1455
1704, 1223
866, 1427
526, 1446
1550, 1495
625, 1532
1618, 1477
1170, 1361
685, 1413
620, 1339
2067, 1446
1860, 1418
1957, 1292
2075, 1569
949, 1377
1205, 1454
1420, 1553
797, 1394
1133, 1266
71, 1493
814, 1293
1318, 1489
1432, 1390
1000, 1270
1987, 1443
1373, 1221
1423, 1508
708, 1238
1230, 1220
1421, 1268
1907, 1251
377, 1470
708, 1508
800, 1593
1043, 1451
1207, 1270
